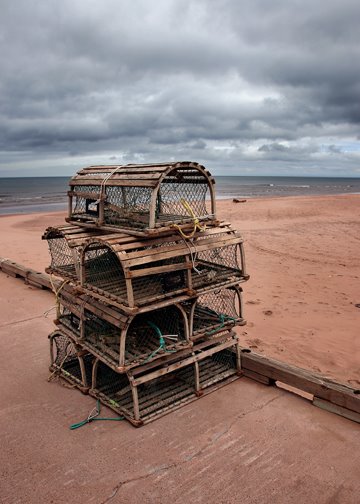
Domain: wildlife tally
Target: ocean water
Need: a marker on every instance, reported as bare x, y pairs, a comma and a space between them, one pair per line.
44, 194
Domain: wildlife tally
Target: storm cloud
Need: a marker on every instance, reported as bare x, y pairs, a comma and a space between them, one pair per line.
251, 87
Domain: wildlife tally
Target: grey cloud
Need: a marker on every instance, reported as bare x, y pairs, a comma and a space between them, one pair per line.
242, 85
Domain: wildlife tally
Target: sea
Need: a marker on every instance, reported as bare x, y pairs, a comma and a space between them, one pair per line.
46, 194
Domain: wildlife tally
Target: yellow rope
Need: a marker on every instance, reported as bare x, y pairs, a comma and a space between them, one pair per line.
196, 222
57, 292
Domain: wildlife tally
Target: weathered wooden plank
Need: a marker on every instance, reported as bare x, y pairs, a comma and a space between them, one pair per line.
89, 224
338, 410
161, 167
120, 183
321, 387
88, 195
158, 269
104, 171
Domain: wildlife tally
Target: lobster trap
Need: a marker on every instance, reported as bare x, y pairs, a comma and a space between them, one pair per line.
134, 273
141, 199
69, 361
137, 274
143, 397
123, 342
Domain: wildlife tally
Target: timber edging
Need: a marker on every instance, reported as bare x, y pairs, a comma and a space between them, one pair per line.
345, 400
327, 394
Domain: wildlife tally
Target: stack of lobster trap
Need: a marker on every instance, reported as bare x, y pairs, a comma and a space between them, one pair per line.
150, 288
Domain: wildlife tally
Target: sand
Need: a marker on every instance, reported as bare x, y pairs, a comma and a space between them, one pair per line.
302, 254
244, 443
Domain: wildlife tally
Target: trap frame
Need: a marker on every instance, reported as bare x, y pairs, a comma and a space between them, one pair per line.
142, 397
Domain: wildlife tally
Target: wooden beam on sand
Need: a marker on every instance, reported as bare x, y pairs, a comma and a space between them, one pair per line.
30, 276
327, 394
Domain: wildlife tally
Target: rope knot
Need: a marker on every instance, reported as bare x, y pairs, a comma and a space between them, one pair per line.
196, 221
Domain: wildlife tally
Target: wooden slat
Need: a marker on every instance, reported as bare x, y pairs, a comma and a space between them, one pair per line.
148, 256
122, 183
133, 242
86, 223
118, 175
140, 167
183, 363
124, 169
87, 195
202, 240
158, 269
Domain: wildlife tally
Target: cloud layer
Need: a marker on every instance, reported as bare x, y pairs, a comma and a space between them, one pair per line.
246, 87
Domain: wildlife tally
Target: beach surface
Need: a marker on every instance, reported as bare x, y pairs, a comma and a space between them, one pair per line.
302, 254
244, 443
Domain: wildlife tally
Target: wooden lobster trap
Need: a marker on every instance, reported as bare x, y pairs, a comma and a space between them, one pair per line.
123, 341
133, 274
142, 395
69, 361
141, 199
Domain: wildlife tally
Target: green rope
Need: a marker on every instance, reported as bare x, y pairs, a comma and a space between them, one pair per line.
162, 342
94, 416
222, 318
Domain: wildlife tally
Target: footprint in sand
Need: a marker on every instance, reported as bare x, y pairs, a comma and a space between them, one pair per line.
354, 383
252, 301
254, 343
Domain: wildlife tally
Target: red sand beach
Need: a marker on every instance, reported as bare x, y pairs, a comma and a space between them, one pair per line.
302, 255
244, 443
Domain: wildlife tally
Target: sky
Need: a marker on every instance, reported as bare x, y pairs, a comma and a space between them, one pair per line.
251, 87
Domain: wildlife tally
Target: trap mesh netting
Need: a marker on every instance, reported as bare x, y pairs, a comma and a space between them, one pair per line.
67, 363
64, 260
214, 311
216, 266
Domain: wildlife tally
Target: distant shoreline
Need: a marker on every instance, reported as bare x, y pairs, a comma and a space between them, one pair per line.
46, 194
62, 208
